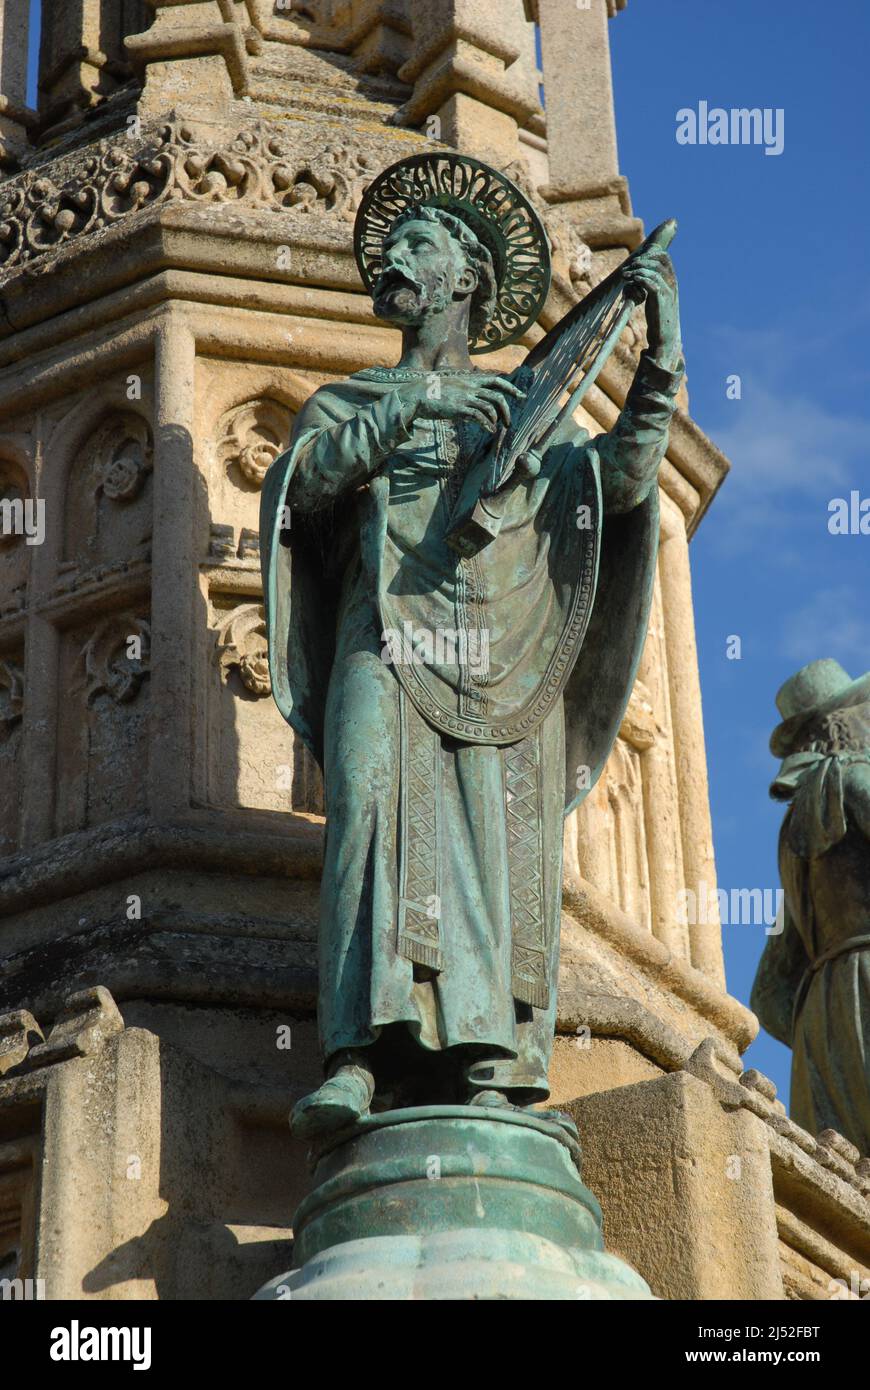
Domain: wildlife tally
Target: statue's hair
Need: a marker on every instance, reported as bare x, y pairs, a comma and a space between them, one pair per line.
485, 296
843, 731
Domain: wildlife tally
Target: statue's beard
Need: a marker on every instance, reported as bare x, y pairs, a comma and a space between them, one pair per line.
402, 297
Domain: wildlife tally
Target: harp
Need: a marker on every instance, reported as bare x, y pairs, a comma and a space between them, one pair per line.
556, 375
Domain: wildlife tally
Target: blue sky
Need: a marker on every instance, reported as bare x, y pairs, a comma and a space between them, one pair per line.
772, 264
771, 255
33, 50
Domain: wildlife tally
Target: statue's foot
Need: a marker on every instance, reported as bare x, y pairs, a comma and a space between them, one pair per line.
339, 1102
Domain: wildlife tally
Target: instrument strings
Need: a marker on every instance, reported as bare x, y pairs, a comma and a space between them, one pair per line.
567, 361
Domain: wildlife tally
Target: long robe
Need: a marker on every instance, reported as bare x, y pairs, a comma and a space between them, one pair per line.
812, 990
458, 707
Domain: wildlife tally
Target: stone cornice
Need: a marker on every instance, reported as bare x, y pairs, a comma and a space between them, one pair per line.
261, 165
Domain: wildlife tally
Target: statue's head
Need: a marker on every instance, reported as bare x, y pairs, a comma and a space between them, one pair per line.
441, 228
430, 260
824, 711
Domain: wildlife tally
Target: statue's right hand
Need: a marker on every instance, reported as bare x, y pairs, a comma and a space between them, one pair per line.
485, 398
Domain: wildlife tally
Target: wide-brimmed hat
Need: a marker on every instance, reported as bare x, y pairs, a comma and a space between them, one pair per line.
819, 688
491, 205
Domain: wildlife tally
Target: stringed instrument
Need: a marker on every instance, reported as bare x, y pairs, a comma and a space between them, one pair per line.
556, 375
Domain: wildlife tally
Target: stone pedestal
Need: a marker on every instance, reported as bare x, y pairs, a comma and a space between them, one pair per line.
452, 1202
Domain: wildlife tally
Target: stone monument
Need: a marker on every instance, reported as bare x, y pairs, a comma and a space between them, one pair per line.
178, 278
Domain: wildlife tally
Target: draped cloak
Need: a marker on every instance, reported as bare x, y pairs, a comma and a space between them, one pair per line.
812, 990
459, 708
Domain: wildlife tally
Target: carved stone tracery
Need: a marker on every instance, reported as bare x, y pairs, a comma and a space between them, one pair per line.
107, 508
97, 188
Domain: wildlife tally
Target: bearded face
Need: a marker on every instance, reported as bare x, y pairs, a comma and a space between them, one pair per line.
423, 270
846, 730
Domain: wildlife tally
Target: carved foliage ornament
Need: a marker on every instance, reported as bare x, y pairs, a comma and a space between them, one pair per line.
241, 646
261, 166
117, 657
124, 472
254, 434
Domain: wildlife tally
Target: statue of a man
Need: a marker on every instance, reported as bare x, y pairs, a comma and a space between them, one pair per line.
812, 989
459, 707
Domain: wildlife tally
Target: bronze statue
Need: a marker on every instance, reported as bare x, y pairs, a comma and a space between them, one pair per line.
457, 590
812, 989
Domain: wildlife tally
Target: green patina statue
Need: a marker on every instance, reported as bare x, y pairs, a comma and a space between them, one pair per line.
460, 687
812, 989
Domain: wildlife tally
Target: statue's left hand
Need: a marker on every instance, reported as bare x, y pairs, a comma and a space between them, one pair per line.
652, 277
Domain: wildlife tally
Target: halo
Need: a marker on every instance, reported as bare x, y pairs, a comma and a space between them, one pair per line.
491, 205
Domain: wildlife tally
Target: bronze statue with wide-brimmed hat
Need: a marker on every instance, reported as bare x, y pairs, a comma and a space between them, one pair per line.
812, 989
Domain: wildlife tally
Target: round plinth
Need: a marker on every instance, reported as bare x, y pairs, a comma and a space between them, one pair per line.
451, 1202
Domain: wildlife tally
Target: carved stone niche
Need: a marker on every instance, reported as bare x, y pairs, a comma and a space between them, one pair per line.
14, 550
108, 516
253, 759
11, 711
250, 436
103, 723
607, 841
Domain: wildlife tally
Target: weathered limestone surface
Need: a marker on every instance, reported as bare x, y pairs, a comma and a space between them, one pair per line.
710, 1192
177, 276
160, 1176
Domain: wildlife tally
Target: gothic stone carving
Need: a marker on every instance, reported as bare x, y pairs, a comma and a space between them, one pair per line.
241, 646
108, 513
96, 188
117, 657
254, 435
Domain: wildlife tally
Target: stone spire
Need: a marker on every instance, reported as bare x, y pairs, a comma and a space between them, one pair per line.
82, 59
15, 116
581, 121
